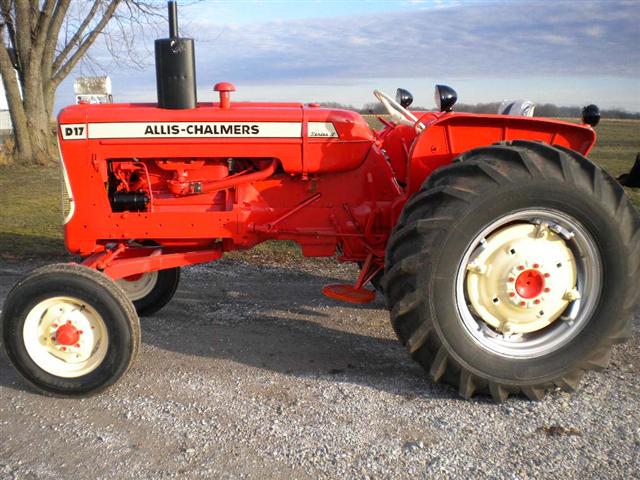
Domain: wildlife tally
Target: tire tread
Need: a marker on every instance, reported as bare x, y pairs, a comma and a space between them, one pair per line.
436, 205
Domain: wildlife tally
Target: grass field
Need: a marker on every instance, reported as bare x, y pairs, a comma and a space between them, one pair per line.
31, 218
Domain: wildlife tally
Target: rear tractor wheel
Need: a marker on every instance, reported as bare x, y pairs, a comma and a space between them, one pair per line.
69, 330
514, 270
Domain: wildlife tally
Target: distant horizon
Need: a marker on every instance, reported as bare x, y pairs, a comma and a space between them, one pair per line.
568, 53
150, 97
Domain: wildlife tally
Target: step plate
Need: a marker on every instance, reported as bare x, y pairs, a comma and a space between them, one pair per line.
347, 293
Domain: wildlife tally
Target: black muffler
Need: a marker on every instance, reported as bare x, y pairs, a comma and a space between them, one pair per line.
175, 67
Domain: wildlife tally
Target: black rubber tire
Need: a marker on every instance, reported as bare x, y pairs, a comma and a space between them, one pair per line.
453, 205
161, 294
97, 290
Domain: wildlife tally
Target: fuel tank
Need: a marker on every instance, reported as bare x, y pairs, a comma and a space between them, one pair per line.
306, 139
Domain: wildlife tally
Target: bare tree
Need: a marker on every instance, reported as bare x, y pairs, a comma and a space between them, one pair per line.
42, 42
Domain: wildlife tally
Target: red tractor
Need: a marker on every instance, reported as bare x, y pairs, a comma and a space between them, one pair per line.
508, 260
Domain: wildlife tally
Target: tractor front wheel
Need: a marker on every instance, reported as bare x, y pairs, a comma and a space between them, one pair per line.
69, 330
150, 291
514, 270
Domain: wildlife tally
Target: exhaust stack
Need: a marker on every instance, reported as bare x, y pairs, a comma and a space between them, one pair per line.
175, 67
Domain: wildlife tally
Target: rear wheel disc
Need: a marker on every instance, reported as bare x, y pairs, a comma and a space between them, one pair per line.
528, 283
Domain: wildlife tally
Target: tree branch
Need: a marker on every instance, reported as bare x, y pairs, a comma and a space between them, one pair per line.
41, 28
14, 98
64, 70
34, 10
23, 31
57, 18
8, 73
77, 37
5, 10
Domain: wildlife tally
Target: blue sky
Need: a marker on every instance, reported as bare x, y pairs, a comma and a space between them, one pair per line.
566, 52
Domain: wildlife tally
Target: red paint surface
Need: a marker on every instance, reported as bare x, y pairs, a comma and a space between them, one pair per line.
327, 194
347, 293
67, 334
530, 283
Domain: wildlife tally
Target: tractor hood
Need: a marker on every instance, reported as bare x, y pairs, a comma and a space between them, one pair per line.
331, 139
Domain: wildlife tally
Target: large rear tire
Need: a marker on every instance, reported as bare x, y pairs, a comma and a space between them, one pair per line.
69, 330
514, 270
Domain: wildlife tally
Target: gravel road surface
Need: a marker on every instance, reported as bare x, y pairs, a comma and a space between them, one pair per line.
251, 373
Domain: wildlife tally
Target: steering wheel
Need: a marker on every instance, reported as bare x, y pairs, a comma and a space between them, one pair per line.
397, 112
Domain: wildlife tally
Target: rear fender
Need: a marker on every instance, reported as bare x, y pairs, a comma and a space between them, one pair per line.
451, 134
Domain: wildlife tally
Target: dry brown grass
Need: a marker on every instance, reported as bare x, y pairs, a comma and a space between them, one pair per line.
6, 151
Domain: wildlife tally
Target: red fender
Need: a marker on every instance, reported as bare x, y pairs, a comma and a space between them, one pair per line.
451, 134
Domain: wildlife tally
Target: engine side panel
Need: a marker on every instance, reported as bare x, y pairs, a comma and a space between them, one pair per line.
243, 175
161, 180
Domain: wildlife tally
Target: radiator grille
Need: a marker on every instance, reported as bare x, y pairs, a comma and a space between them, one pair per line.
65, 191
66, 201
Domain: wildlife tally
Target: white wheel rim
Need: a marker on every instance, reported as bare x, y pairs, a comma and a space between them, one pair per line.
514, 283
43, 325
138, 288
561, 251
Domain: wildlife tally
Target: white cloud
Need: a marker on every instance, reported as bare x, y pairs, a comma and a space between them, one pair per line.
483, 39
489, 43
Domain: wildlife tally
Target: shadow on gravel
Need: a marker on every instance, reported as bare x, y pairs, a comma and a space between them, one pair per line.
278, 320
302, 348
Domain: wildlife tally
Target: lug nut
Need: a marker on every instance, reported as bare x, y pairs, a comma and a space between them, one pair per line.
547, 290
536, 301
547, 275
535, 265
511, 279
520, 267
512, 294
523, 303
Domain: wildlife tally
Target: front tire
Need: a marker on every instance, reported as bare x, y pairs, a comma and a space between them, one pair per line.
69, 330
151, 291
453, 281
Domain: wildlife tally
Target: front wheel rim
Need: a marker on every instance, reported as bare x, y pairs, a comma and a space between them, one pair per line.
65, 337
572, 299
139, 286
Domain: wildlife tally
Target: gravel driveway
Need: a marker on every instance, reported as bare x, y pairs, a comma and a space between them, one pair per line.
251, 373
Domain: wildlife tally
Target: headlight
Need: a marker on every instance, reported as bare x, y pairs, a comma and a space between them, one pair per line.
445, 98
591, 115
404, 97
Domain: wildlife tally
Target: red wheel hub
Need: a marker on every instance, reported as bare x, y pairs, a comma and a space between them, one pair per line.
67, 334
530, 283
